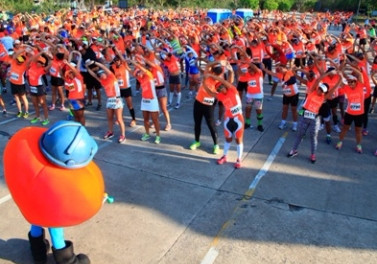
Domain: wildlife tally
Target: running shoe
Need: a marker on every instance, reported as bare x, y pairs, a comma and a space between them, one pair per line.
25, 115
169, 104
371, 111
89, 103
221, 160
294, 127
216, 149
292, 153
133, 123
45, 122
218, 122
282, 125
365, 132
35, 120
247, 126
260, 128
99, 107
108, 135
51, 107
359, 148
177, 106
62, 108
167, 127
321, 127
313, 158
328, 139
336, 129
195, 145
157, 140
339, 145
4, 112
237, 165
145, 137
19, 114
121, 139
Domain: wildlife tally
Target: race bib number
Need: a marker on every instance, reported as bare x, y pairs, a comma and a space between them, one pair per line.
146, 101
111, 103
243, 69
235, 110
120, 82
33, 89
52, 70
14, 76
286, 90
208, 100
252, 83
309, 115
69, 86
355, 106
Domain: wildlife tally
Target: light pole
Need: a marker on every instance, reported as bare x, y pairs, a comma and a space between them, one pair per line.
358, 8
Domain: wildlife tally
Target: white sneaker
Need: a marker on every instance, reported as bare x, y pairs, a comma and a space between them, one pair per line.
218, 122
294, 127
282, 125
321, 127
336, 129
177, 106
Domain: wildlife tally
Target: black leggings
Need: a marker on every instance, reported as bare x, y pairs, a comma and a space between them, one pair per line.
367, 102
208, 111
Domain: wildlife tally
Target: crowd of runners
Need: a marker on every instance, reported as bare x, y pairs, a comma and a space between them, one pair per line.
225, 66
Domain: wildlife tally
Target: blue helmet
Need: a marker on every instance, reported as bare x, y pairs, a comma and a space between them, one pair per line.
63, 33
68, 144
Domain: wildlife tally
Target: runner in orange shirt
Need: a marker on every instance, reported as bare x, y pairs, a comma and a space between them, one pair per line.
122, 71
114, 104
227, 93
74, 85
38, 66
354, 92
16, 77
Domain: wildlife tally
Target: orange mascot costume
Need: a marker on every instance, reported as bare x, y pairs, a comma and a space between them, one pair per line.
55, 183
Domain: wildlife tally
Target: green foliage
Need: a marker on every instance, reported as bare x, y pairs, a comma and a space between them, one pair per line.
253, 4
270, 5
286, 5
21, 6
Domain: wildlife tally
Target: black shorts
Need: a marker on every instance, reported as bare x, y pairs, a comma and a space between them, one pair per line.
375, 92
291, 100
363, 41
175, 79
90, 81
126, 92
242, 86
19, 89
39, 90
333, 103
358, 119
325, 110
300, 62
56, 81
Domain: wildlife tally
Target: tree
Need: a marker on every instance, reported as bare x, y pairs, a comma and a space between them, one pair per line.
270, 5
286, 5
253, 4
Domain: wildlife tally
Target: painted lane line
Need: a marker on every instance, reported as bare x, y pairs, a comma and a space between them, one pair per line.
210, 256
213, 252
269, 161
5, 198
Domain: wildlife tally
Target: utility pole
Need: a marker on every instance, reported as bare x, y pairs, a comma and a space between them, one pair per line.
358, 8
